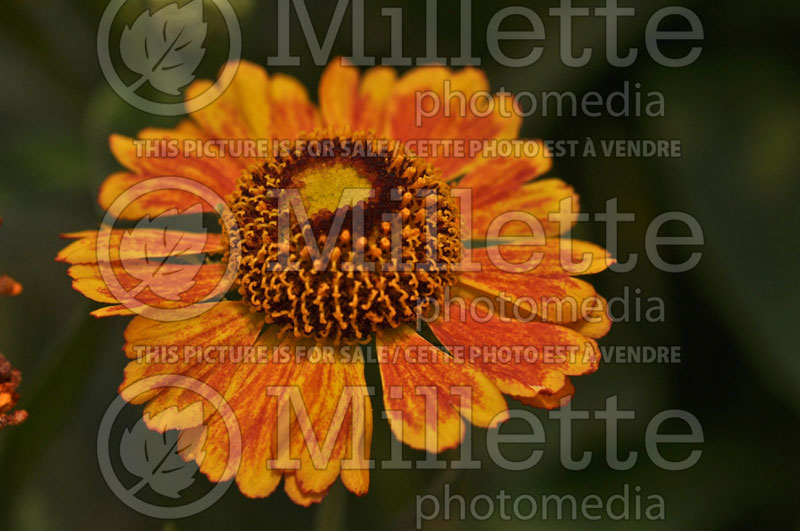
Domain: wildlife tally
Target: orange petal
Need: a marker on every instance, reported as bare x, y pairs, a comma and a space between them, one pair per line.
297, 495
539, 199
321, 419
414, 374
177, 355
191, 417
326, 411
546, 400
244, 384
218, 172
226, 323
596, 323
181, 159
138, 244
555, 257
292, 110
177, 287
444, 99
338, 89
548, 299
356, 477
118, 310
521, 358
494, 179
170, 349
185, 130
242, 110
257, 414
151, 204
359, 104
373, 99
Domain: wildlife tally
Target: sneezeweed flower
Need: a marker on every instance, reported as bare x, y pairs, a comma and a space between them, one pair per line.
10, 378
310, 220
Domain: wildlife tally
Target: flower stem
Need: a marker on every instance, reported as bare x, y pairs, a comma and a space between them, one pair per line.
332, 511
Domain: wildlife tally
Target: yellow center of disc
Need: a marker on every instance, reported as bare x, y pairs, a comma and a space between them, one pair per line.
332, 186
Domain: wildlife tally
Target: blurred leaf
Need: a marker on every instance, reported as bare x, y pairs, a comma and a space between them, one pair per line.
56, 390
738, 176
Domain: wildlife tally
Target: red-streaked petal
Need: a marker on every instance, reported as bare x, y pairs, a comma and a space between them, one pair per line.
258, 412
596, 323
256, 415
348, 100
496, 178
540, 199
88, 280
557, 257
546, 400
356, 478
414, 372
218, 172
227, 323
323, 409
112, 311
292, 110
84, 249
297, 495
242, 110
521, 358
151, 203
373, 99
338, 90
548, 299
455, 118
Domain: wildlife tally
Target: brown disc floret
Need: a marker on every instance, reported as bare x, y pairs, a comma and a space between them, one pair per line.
344, 236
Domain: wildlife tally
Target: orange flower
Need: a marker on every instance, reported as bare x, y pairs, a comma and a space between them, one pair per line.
10, 378
434, 381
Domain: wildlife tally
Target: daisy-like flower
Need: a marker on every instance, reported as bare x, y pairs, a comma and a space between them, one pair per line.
437, 378
10, 377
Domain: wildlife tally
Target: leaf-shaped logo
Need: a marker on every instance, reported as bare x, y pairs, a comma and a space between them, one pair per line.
152, 260
155, 458
165, 47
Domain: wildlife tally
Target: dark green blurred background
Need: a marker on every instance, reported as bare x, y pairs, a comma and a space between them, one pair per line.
736, 113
